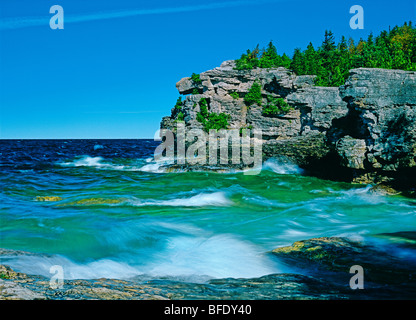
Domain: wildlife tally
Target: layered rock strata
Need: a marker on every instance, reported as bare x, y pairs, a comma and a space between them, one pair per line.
363, 131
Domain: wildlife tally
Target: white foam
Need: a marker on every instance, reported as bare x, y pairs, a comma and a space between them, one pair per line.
103, 268
94, 162
217, 199
152, 167
195, 257
156, 167
219, 256
361, 195
281, 167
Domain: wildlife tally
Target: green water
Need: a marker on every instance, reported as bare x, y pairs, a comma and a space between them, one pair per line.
119, 218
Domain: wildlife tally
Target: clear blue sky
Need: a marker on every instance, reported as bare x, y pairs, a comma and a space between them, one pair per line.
111, 72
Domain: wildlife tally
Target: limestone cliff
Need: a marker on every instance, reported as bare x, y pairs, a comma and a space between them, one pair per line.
362, 131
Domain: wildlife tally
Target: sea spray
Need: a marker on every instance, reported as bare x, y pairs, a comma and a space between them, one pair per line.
281, 167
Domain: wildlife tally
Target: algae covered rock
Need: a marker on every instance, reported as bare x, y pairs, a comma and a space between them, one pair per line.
94, 202
337, 254
48, 198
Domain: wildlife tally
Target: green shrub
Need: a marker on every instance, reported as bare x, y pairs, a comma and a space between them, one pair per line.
179, 104
254, 94
211, 120
196, 78
196, 91
216, 121
180, 117
203, 107
275, 107
235, 95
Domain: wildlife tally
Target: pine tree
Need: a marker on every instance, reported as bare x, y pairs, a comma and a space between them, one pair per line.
285, 61
311, 60
328, 44
383, 56
297, 64
331, 62
270, 58
326, 59
344, 58
369, 53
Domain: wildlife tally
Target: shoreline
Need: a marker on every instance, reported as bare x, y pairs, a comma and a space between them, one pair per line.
325, 260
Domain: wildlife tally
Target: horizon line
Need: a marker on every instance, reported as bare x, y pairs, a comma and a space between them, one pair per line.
1, 139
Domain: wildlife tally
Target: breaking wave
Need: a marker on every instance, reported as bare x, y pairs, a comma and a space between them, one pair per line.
217, 199
281, 167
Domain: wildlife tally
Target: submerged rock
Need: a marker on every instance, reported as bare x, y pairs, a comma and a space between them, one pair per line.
93, 202
48, 198
335, 254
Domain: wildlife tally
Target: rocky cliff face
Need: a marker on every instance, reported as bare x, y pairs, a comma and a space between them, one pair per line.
363, 131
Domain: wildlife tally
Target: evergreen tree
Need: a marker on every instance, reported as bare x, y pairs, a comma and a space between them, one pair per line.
311, 60
327, 57
270, 58
285, 61
297, 64
383, 57
331, 62
248, 60
328, 44
344, 57
369, 53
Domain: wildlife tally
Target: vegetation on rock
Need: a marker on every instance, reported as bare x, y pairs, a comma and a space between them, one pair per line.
234, 95
275, 107
211, 120
196, 78
178, 104
180, 117
254, 95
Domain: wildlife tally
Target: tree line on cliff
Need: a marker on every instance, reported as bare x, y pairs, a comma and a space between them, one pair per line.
331, 61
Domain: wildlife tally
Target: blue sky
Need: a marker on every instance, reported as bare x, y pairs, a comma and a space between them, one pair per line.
111, 72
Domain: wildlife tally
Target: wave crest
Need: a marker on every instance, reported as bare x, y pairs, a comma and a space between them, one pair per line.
217, 199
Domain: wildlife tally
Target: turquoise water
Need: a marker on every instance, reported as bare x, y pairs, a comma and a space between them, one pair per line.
116, 214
